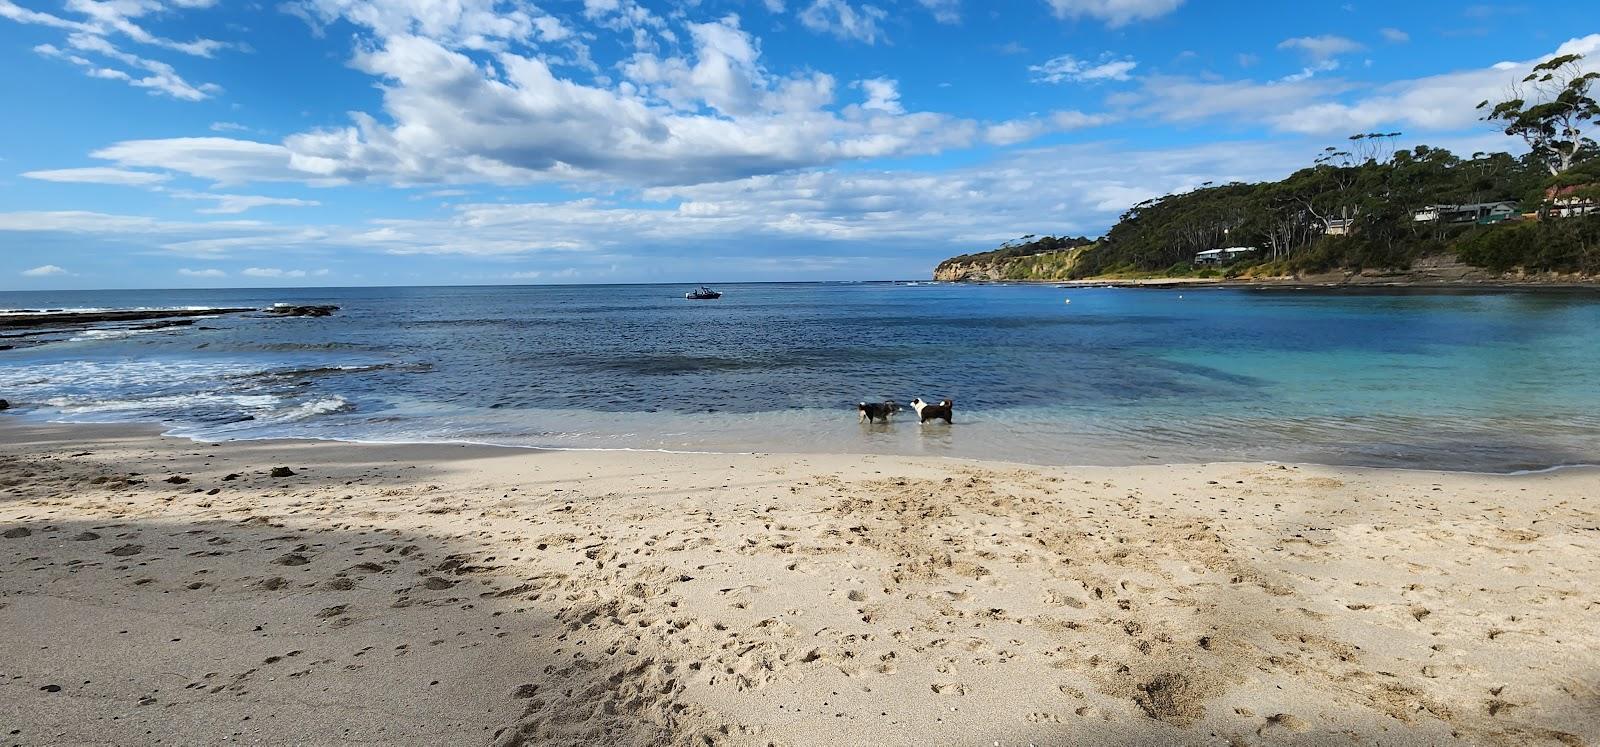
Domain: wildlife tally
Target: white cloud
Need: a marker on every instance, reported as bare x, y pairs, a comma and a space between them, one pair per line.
91, 36
843, 20
1015, 131
1070, 68
1394, 36
228, 127
271, 272
1076, 188
1187, 100
210, 272
158, 77
716, 115
43, 271
1444, 102
115, 18
223, 160
1114, 12
99, 175
725, 74
1022, 130
883, 95
1311, 104
1311, 71
944, 11
1321, 48
467, 24
229, 204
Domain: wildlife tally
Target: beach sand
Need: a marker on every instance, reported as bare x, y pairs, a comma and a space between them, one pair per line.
157, 590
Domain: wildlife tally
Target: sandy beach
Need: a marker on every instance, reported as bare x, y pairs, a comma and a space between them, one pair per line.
158, 590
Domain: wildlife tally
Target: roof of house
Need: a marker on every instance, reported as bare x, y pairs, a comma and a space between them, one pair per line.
1554, 192
1471, 206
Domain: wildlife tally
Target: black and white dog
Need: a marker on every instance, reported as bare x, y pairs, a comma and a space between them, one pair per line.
877, 412
926, 412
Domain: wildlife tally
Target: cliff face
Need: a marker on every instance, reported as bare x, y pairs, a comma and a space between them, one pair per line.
979, 267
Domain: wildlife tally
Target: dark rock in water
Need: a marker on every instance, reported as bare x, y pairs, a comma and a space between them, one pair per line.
4, 405
16, 533
282, 472
125, 550
314, 310
164, 325
80, 318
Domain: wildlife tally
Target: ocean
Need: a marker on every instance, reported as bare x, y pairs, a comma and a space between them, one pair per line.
1479, 380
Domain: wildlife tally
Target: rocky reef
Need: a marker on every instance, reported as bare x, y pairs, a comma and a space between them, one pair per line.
312, 310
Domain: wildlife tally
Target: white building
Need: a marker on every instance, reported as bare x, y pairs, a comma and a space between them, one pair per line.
1340, 226
1479, 212
1223, 256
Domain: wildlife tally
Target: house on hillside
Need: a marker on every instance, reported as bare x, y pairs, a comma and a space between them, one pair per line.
1574, 200
1223, 256
1340, 226
1482, 213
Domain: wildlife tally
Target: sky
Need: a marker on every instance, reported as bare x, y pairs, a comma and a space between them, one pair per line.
207, 143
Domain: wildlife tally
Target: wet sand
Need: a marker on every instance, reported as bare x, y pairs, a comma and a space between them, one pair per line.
160, 590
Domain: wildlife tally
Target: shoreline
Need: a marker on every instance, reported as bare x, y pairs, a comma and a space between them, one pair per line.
1298, 284
495, 595
161, 430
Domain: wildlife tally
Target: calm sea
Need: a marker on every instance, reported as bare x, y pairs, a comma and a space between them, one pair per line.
1481, 380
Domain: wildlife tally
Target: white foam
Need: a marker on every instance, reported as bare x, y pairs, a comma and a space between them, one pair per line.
99, 310
304, 410
107, 334
176, 403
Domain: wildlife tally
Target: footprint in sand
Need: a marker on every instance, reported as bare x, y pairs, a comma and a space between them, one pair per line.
1284, 721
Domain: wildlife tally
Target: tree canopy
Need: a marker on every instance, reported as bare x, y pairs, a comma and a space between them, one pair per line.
1550, 110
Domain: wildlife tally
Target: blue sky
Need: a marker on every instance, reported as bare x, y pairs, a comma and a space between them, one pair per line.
202, 143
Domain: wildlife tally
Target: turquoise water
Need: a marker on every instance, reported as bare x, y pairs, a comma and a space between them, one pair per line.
1480, 380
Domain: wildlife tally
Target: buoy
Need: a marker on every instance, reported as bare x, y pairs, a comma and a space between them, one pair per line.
1067, 300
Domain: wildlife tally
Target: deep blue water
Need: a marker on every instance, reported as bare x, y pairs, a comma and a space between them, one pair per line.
1478, 380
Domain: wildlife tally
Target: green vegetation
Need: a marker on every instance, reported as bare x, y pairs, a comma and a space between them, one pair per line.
1356, 207
1569, 245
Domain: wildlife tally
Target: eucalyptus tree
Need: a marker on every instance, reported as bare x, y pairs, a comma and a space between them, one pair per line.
1552, 111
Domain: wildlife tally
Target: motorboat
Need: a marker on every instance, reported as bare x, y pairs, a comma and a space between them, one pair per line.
702, 294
